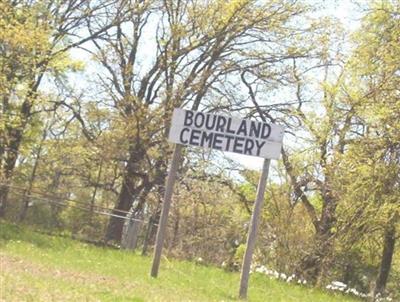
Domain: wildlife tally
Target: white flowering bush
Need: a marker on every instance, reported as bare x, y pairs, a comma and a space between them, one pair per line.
336, 286
276, 275
342, 287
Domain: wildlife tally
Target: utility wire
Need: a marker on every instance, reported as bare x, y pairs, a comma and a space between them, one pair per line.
64, 204
34, 190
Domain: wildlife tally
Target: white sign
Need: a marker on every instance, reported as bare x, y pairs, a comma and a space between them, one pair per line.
226, 133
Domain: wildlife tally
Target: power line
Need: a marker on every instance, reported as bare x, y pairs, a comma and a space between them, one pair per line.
34, 190
65, 204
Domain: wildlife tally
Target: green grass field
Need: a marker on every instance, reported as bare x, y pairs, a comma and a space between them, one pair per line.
38, 267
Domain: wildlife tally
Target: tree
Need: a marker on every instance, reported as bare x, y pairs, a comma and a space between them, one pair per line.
35, 40
324, 139
198, 49
376, 64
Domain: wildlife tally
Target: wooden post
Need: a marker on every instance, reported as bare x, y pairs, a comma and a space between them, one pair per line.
162, 225
253, 227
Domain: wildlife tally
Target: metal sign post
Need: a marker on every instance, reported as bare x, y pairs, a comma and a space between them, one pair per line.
162, 225
253, 228
225, 133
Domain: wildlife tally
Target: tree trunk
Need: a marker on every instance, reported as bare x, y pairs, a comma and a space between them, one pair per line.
328, 221
311, 267
4, 189
116, 224
26, 198
93, 200
14, 138
314, 267
54, 208
9, 166
129, 192
386, 261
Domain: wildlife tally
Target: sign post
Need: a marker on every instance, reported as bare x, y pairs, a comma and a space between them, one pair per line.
223, 133
253, 228
162, 225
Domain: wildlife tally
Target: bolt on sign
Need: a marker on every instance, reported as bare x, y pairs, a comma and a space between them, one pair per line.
223, 133
226, 133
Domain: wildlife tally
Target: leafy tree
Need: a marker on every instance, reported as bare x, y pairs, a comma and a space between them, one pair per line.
375, 64
198, 47
35, 40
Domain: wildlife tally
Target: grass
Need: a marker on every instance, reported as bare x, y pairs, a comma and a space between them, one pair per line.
38, 267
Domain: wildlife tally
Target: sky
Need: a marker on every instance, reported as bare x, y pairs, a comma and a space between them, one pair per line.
346, 11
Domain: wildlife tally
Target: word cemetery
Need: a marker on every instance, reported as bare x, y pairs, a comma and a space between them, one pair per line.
226, 133
223, 133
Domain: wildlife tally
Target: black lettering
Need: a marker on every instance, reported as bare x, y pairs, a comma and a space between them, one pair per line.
188, 118
199, 119
217, 141
194, 137
255, 129
228, 141
238, 144
266, 131
228, 127
259, 146
206, 138
181, 136
210, 121
248, 146
242, 128
221, 122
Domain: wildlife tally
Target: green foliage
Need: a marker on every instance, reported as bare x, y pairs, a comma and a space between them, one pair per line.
240, 253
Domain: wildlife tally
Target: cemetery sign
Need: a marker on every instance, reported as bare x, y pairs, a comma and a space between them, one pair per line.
226, 133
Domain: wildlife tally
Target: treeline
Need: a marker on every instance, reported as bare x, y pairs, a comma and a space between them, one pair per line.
88, 88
